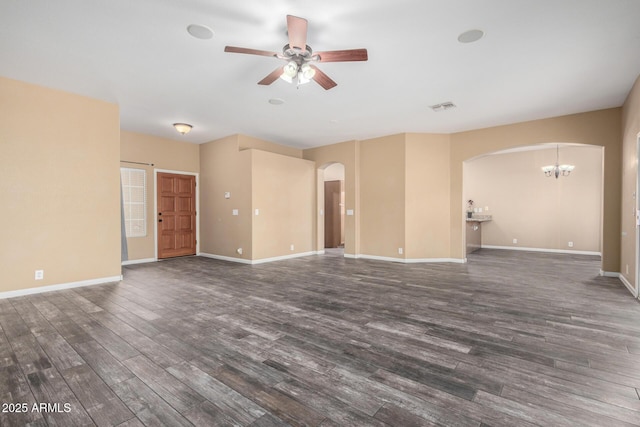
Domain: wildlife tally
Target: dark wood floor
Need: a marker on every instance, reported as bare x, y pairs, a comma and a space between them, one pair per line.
509, 339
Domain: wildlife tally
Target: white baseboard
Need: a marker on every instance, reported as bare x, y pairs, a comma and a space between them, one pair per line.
610, 274
225, 258
553, 251
623, 279
258, 261
50, 288
139, 261
405, 260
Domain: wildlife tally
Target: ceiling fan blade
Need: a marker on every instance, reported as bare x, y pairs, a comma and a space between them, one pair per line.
322, 79
233, 49
343, 55
272, 77
297, 30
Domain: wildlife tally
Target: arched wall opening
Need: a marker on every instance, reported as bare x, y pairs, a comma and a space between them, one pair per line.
333, 210
597, 128
530, 211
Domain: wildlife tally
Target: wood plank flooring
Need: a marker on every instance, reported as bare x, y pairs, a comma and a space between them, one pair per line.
508, 339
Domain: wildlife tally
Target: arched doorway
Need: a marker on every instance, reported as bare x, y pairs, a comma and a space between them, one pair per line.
530, 211
334, 208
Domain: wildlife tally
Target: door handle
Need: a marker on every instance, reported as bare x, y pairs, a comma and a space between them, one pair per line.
160, 220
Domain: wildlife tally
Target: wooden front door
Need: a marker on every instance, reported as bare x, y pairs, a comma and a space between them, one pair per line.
176, 215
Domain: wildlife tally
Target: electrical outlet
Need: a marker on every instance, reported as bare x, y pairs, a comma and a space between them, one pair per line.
39, 275
570, 244
239, 250
292, 247
400, 251
515, 241
227, 195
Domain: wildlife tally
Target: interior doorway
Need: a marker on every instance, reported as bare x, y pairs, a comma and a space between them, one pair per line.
524, 209
334, 202
636, 285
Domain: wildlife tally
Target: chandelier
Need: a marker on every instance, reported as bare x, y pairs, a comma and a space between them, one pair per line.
557, 169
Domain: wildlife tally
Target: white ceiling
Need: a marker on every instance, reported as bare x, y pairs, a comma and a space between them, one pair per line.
538, 58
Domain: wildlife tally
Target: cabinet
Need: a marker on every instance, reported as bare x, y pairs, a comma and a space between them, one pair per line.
474, 236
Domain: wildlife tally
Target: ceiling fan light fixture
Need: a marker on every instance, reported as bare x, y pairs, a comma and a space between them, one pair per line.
183, 128
307, 71
291, 69
286, 78
298, 53
302, 79
305, 74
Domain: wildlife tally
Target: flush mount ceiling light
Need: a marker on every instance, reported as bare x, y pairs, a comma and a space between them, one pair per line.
200, 31
557, 169
443, 106
183, 128
470, 36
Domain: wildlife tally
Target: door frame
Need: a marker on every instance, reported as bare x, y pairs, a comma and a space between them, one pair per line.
155, 207
637, 227
320, 200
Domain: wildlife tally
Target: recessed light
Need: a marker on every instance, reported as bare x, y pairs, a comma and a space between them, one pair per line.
200, 31
276, 101
470, 36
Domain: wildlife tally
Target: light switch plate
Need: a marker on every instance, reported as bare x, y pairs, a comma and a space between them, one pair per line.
234, 212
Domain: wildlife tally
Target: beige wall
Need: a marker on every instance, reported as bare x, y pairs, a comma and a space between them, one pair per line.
599, 128
631, 132
427, 204
382, 196
164, 154
423, 179
247, 142
283, 190
540, 212
223, 168
282, 187
60, 187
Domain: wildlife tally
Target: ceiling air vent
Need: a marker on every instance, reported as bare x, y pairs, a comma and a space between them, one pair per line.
442, 107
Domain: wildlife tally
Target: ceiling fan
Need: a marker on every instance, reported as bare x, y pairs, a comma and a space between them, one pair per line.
300, 57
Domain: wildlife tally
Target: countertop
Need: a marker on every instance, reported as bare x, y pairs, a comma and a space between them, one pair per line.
479, 218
